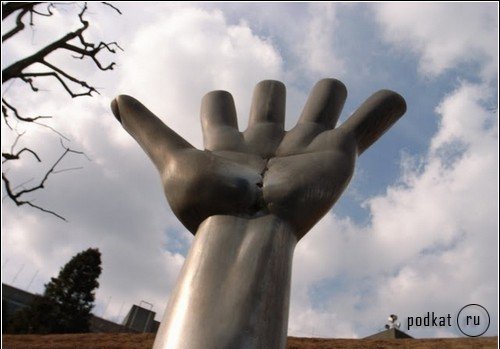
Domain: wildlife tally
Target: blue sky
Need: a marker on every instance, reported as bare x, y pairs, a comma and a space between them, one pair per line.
416, 230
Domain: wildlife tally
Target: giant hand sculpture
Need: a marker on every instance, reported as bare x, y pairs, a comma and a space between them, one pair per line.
248, 198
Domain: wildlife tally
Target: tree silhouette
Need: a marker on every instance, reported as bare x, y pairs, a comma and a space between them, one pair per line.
66, 305
33, 68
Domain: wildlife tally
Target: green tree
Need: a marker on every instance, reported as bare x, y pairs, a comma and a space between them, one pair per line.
67, 302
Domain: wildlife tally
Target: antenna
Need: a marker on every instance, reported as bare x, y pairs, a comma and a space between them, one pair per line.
5, 263
106, 307
17, 274
120, 311
32, 279
150, 305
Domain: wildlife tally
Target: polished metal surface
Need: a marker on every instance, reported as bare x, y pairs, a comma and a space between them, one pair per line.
248, 198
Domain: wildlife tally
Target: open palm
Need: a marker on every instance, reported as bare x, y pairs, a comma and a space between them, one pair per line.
296, 175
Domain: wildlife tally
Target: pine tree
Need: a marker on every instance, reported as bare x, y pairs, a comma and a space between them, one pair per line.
67, 301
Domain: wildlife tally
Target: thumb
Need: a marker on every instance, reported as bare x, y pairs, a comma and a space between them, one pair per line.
155, 138
374, 117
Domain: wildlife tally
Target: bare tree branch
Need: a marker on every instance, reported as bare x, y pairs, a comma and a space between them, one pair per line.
19, 25
6, 105
40, 67
19, 135
18, 202
28, 81
25, 7
16, 196
27, 77
20, 185
49, 12
5, 114
10, 156
68, 169
110, 5
92, 53
16, 69
16, 156
52, 129
9, 8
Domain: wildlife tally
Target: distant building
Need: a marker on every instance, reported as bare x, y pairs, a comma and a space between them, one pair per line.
138, 319
100, 325
392, 330
391, 333
14, 299
141, 320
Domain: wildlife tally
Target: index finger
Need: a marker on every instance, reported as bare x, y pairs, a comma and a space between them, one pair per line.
268, 103
325, 103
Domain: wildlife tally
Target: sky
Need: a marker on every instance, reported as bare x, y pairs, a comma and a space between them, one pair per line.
415, 232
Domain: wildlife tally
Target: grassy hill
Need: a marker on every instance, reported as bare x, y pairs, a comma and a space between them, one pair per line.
145, 341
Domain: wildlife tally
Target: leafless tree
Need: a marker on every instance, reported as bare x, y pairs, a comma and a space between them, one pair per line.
38, 66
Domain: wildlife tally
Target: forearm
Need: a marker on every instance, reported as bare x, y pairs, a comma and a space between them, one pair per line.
233, 291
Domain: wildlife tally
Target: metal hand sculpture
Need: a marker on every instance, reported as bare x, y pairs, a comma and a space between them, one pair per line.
248, 198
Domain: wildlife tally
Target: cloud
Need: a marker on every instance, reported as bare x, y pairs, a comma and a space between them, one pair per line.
444, 35
172, 63
317, 47
104, 203
431, 241
116, 201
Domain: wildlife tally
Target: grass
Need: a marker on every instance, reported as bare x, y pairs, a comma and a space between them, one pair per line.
145, 341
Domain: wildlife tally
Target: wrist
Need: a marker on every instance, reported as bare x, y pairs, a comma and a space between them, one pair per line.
234, 287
